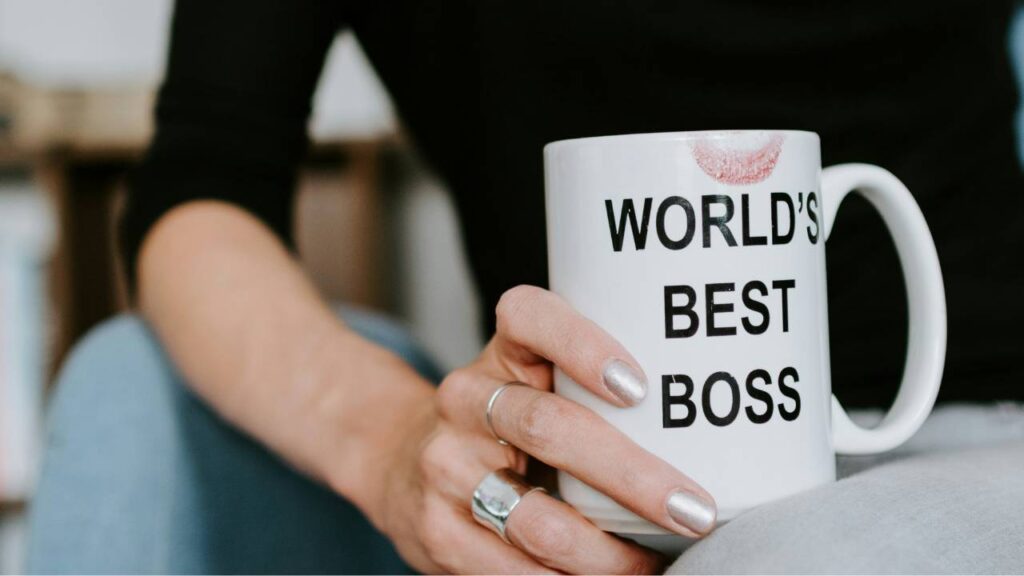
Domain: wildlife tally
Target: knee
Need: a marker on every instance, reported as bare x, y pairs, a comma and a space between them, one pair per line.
111, 453
115, 372
119, 342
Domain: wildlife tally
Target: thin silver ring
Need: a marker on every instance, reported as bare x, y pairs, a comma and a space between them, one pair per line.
490, 407
496, 496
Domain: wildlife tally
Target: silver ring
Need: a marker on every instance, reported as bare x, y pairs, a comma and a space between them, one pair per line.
496, 496
490, 407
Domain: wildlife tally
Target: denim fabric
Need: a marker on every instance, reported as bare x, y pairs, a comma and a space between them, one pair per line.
141, 477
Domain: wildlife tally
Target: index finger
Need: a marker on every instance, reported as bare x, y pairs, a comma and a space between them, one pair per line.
544, 324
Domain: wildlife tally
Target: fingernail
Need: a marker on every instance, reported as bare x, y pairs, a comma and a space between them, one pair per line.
691, 511
625, 382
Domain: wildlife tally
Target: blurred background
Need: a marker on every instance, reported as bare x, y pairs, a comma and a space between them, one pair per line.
77, 82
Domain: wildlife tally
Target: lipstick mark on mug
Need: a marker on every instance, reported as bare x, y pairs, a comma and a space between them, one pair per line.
728, 164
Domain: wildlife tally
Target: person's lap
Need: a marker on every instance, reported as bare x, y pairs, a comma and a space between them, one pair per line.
141, 477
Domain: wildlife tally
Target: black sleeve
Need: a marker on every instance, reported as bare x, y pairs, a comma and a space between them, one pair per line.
231, 114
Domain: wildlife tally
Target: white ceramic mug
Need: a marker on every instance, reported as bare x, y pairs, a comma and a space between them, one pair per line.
704, 254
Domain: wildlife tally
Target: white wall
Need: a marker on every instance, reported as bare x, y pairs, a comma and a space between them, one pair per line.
437, 295
110, 43
84, 42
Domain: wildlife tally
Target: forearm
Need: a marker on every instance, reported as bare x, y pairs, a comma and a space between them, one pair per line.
253, 338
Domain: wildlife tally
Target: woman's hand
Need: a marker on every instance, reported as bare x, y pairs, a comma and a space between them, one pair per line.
354, 416
448, 449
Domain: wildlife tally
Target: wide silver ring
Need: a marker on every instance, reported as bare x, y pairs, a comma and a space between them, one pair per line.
490, 406
496, 496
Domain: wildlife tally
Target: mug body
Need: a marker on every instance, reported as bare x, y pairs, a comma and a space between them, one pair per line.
703, 254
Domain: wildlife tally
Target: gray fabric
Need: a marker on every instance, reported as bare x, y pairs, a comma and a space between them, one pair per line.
951, 500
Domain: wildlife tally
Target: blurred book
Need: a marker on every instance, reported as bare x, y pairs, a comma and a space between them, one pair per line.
26, 240
6, 106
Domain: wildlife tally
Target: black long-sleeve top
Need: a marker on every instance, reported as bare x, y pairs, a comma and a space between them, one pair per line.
923, 88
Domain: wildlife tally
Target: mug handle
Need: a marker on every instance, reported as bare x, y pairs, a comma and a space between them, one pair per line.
926, 297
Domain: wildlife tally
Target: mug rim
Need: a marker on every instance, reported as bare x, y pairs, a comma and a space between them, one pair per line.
675, 136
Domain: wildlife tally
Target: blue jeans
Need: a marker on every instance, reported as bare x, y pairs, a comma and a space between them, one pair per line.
141, 477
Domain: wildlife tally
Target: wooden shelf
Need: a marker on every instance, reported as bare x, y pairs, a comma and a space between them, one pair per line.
78, 144
12, 506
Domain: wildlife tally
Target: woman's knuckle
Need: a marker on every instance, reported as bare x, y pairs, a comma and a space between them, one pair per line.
452, 389
433, 459
567, 411
548, 534
541, 420
639, 563
533, 425
514, 301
